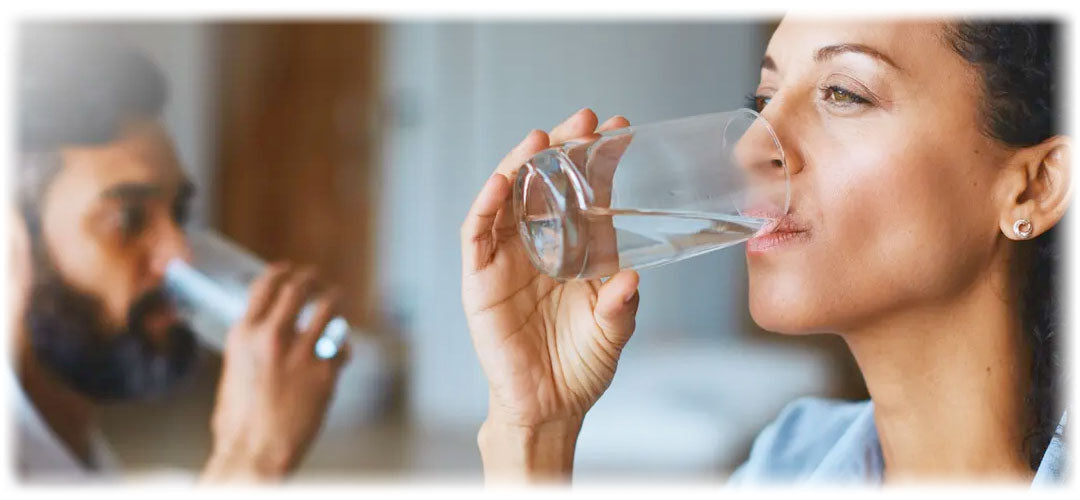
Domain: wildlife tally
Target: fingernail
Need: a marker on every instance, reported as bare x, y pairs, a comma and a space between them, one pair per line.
629, 297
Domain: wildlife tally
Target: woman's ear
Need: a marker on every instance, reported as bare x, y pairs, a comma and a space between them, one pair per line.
1036, 188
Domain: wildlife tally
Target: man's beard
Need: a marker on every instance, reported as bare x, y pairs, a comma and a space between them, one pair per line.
68, 334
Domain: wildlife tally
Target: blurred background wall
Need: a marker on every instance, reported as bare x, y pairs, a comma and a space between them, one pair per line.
359, 146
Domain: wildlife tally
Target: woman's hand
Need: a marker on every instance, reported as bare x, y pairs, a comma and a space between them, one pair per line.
273, 392
549, 348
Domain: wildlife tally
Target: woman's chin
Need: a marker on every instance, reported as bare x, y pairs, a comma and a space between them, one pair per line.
774, 323
774, 313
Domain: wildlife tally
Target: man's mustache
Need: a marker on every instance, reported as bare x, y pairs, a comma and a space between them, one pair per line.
146, 303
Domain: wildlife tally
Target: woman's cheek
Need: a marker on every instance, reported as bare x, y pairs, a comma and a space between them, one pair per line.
862, 246
892, 234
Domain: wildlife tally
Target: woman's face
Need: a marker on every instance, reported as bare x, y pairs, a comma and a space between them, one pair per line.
892, 182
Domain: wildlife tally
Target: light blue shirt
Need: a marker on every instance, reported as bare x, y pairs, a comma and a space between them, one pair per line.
824, 441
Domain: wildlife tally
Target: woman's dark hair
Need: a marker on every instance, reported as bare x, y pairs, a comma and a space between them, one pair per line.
1017, 63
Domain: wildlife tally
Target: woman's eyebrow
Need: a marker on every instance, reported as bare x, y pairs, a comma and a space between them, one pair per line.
768, 63
830, 51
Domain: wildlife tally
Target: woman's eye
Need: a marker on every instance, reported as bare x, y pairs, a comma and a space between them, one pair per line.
757, 102
843, 96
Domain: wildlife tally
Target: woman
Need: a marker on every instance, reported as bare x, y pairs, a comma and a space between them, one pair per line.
927, 177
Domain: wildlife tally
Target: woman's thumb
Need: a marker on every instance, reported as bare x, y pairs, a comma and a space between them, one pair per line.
616, 307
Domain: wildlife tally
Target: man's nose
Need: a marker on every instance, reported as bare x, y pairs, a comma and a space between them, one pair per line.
169, 243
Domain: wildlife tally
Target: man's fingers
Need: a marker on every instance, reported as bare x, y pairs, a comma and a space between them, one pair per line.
343, 356
264, 289
616, 307
324, 309
580, 124
290, 299
477, 243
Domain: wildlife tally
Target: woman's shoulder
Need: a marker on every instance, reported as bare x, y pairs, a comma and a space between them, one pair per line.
815, 438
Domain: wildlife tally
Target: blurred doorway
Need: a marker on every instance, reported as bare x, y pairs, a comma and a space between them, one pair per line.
296, 152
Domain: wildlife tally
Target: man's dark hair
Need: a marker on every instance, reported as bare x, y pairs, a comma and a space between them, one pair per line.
80, 89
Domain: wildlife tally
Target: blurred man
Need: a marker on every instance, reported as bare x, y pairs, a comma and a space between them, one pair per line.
100, 202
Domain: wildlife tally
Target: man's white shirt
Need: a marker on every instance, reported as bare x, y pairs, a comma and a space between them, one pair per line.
40, 456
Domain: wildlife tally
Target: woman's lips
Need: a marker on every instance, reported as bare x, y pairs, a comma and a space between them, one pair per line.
769, 241
785, 231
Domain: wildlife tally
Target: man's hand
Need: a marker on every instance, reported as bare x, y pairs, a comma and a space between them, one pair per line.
273, 392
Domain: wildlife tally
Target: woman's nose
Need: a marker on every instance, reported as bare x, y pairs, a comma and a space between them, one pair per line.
758, 149
777, 121
759, 154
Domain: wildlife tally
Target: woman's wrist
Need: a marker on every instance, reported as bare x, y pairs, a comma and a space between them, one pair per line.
541, 452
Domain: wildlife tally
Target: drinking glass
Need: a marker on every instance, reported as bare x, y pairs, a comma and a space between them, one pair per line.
212, 290
648, 195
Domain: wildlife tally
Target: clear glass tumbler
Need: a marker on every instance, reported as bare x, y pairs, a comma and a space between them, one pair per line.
212, 291
648, 195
